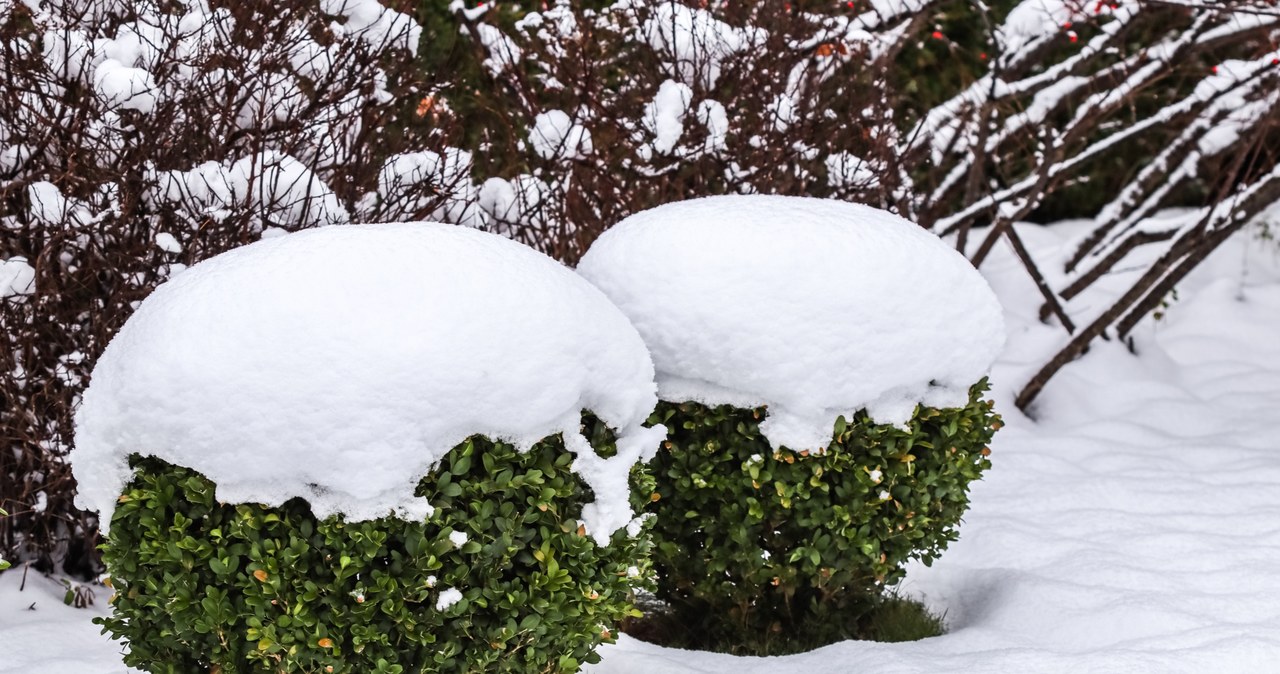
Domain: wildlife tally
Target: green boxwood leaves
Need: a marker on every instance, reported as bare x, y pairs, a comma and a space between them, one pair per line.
204, 586
754, 544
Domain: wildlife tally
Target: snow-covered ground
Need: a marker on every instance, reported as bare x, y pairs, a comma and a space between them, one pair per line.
1134, 526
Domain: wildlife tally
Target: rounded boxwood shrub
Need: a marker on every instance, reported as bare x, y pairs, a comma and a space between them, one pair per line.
768, 550
501, 578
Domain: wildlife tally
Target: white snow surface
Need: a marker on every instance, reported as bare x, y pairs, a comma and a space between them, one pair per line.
783, 111
713, 115
817, 308
448, 598
556, 135
51, 207
379, 26
848, 170
168, 243
281, 188
693, 43
286, 189
1131, 528
513, 204
125, 87
401, 193
17, 277
664, 115
339, 364
1034, 19
503, 52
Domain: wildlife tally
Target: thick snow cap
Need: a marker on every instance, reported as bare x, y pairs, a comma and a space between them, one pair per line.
340, 364
816, 308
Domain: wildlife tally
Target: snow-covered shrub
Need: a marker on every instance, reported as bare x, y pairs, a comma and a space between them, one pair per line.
820, 365
765, 549
137, 138
400, 485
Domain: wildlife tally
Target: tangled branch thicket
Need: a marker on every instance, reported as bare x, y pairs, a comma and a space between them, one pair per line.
136, 138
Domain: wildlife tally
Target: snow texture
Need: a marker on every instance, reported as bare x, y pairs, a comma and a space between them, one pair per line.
285, 189
1131, 528
16, 277
1034, 19
664, 115
378, 26
816, 308
849, 171
279, 187
340, 364
411, 182
503, 52
783, 112
168, 243
50, 207
555, 135
713, 115
448, 598
513, 204
498, 198
694, 43
125, 87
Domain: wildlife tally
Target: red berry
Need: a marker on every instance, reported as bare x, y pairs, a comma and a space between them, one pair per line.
937, 35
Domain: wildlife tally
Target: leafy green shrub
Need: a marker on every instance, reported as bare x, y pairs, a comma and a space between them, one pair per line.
757, 550
209, 587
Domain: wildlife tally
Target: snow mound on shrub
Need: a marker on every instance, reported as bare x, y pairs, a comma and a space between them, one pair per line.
816, 308
339, 364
